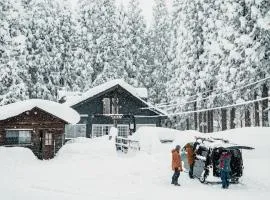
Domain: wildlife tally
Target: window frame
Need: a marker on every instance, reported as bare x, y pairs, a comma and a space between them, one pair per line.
18, 138
48, 141
70, 130
106, 103
103, 128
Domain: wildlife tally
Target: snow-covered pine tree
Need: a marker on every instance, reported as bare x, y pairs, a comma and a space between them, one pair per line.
64, 68
98, 23
185, 81
12, 52
120, 38
42, 26
136, 51
159, 42
240, 38
259, 53
214, 50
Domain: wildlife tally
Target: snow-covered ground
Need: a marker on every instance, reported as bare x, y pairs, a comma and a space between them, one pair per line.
91, 169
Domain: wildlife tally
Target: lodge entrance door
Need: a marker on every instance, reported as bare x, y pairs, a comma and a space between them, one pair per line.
41, 144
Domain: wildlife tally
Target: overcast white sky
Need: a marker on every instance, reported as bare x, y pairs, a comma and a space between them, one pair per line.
146, 6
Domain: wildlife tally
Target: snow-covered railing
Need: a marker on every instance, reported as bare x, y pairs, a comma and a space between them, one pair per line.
124, 144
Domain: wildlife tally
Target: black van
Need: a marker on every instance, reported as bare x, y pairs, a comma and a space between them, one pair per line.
207, 155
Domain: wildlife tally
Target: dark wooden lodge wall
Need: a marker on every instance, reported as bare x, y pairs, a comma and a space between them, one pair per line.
40, 123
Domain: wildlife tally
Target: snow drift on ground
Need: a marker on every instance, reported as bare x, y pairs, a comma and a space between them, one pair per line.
91, 169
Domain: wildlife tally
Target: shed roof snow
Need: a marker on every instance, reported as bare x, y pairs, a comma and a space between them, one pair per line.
139, 93
61, 111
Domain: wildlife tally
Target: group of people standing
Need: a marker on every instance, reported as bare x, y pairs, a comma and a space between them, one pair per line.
224, 164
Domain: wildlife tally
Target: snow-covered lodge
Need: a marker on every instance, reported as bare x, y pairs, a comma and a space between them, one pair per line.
36, 124
112, 103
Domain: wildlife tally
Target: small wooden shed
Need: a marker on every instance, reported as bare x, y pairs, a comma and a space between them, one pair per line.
36, 124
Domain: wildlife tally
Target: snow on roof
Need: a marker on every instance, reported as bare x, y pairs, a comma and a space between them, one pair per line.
58, 110
105, 86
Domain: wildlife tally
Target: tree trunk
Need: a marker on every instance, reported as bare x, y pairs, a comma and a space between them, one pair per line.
264, 105
210, 121
200, 121
256, 110
247, 118
187, 121
232, 124
195, 116
204, 122
224, 119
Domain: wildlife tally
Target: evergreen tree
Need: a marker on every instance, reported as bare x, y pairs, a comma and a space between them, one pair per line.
98, 23
159, 42
12, 52
136, 51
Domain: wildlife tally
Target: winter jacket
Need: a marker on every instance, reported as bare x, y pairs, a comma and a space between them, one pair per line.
190, 154
225, 162
176, 160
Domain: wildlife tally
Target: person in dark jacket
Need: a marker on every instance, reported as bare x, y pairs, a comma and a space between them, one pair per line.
225, 168
176, 165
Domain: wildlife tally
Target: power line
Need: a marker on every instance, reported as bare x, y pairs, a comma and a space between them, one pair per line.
196, 95
209, 97
204, 110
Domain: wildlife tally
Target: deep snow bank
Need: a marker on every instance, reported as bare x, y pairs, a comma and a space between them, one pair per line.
90, 168
150, 138
16, 156
101, 146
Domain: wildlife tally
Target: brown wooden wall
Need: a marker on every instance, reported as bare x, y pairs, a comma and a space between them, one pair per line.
40, 122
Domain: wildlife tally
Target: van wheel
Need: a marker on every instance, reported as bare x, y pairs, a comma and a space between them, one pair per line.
203, 177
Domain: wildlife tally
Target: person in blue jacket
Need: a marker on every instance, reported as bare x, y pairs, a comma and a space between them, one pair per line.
225, 168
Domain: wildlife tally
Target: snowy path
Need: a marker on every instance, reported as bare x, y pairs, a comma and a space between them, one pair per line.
85, 170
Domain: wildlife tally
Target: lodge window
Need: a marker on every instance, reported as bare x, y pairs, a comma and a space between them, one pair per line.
110, 106
106, 106
77, 130
48, 139
115, 106
99, 130
17, 136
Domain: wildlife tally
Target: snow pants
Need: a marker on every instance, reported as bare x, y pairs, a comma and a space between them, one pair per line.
225, 175
175, 176
191, 170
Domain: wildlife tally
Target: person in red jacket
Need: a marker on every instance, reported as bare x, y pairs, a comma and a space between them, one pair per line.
176, 165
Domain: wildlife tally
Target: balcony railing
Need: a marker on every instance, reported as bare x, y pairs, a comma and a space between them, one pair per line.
125, 145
